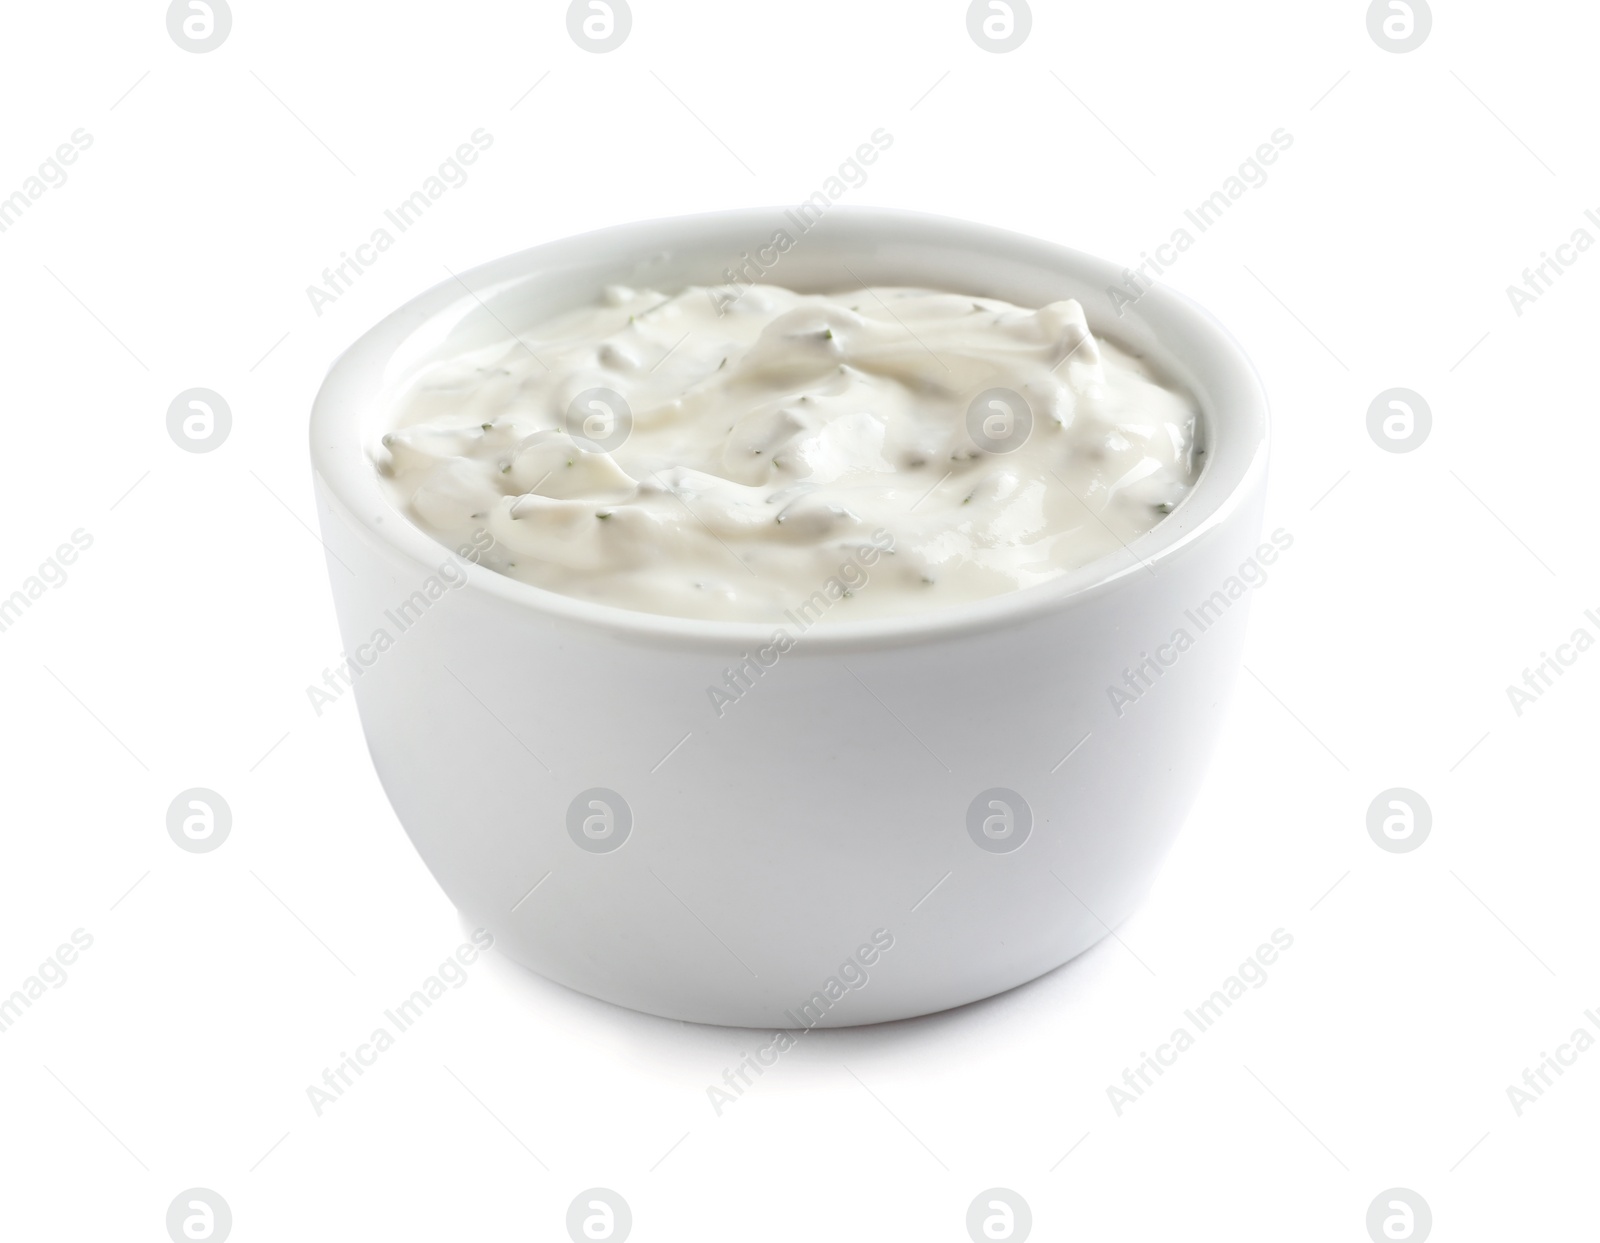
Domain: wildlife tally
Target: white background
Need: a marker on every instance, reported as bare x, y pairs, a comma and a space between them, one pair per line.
220, 985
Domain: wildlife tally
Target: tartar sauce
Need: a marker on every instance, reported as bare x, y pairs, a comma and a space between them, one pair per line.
862, 454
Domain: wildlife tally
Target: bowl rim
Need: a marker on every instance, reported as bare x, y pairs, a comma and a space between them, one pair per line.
1236, 436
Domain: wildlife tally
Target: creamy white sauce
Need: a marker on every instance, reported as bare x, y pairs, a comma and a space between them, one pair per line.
869, 453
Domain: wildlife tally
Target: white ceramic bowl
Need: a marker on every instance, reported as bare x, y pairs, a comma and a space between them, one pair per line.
817, 855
